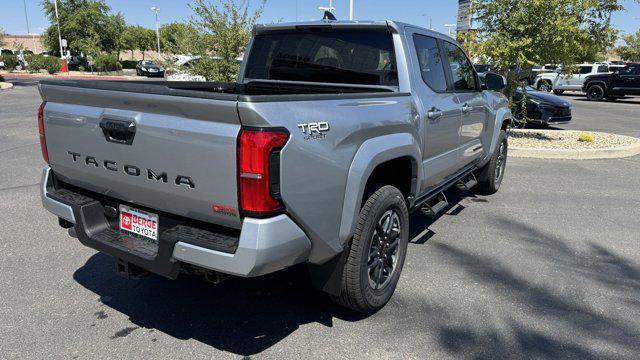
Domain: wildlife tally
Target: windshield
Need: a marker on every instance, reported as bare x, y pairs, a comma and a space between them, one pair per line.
147, 62
482, 68
363, 57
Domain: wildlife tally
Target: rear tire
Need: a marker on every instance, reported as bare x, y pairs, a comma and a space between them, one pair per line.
491, 175
544, 85
558, 92
377, 252
595, 93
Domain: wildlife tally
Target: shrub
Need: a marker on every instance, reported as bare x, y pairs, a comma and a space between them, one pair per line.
51, 64
34, 63
10, 62
129, 64
586, 138
105, 63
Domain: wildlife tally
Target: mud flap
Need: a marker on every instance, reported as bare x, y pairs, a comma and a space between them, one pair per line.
327, 277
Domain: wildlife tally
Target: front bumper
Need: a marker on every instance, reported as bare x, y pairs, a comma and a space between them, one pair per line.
261, 247
150, 73
549, 115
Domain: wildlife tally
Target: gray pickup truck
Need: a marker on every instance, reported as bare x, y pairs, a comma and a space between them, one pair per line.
333, 133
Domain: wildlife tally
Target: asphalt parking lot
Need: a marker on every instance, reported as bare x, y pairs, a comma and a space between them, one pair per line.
547, 268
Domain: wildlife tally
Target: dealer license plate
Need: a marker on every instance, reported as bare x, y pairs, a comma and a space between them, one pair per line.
138, 222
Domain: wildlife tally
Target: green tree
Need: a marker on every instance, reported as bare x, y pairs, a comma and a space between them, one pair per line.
527, 32
177, 38
129, 39
631, 49
87, 25
225, 30
146, 40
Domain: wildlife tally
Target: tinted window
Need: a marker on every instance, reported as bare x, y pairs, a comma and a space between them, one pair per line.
430, 62
586, 69
339, 56
461, 69
603, 69
629, 70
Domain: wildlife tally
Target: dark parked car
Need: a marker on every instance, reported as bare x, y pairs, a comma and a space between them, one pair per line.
625, 81
149, 68
542, 108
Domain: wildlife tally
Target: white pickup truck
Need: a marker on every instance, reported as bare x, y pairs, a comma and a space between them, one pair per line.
559, 83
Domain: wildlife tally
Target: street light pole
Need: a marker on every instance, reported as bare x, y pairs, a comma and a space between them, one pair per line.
157, 10
350, 9
55, 6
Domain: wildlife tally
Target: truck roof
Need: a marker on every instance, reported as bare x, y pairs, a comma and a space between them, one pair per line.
394, 26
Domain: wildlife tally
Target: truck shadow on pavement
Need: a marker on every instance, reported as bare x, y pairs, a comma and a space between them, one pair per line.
241, 316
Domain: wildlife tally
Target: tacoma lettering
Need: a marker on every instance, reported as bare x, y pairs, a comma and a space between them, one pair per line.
132, 170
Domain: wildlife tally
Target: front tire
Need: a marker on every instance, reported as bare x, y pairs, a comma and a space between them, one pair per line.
377, 252
595, 93
558, 92
491, 175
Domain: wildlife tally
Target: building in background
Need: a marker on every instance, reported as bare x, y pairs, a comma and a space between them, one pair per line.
24, 42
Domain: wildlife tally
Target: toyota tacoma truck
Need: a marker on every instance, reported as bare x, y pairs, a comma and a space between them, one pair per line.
611, 87
332, 134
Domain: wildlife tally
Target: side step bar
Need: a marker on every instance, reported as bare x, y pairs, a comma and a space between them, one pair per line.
435, 206
433, 202
467, 183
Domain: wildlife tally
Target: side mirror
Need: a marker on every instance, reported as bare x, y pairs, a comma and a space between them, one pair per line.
493, 81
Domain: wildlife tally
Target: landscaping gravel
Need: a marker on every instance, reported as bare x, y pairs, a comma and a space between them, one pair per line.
566, 139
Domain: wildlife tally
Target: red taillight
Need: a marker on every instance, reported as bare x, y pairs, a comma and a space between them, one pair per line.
257, 149
43, 140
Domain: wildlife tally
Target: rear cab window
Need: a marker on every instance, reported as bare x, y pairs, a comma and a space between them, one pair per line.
346, 56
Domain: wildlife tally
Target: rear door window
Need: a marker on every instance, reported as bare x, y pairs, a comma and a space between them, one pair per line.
630, 70
348, 56
430, 61
603, 69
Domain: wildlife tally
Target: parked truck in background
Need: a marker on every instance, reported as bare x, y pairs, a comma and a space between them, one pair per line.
559, 83
334, 132
613, 86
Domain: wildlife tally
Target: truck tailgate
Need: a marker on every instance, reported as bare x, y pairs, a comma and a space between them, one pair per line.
168, 153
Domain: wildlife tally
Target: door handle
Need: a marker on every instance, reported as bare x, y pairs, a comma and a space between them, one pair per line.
466, 108
434, 113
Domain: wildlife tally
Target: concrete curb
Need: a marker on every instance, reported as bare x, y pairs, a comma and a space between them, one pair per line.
5, 86
574, 154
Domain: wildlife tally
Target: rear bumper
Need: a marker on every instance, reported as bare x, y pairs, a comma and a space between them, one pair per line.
263, 245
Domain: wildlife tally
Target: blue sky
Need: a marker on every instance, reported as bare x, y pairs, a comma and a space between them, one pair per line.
417, 12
